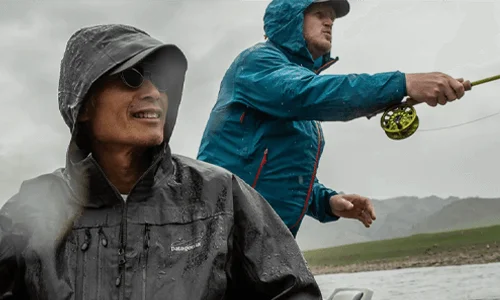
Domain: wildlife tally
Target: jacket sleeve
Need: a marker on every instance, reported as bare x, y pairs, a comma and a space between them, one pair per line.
320, 204
268, 82
267, 262
12, 241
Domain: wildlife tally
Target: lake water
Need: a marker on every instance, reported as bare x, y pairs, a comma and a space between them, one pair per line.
470, 282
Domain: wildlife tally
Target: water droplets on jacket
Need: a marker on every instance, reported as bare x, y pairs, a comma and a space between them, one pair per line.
188, 230
265, 125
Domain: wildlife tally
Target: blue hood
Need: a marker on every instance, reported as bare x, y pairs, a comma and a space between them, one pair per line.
283, 25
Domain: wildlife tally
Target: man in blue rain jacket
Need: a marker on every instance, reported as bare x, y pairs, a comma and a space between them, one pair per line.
265, 124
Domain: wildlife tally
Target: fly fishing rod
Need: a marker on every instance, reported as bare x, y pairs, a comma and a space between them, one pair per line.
401, 121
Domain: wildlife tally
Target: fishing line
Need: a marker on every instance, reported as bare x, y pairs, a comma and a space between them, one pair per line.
461, 124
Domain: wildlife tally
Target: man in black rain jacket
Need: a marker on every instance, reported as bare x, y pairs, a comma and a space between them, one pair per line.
125, 218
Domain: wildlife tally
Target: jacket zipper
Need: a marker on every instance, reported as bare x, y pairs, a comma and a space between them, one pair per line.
145, 265
306, 202
102, 241
264, 158
87, 239
311, 184
262, 163
123, 224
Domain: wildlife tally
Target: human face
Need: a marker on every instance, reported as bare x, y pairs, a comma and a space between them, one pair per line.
318, 22
118, 114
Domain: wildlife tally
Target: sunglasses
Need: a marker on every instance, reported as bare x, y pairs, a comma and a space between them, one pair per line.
134, 78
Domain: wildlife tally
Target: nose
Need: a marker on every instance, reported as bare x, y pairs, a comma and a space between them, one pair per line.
149, 90
328, 22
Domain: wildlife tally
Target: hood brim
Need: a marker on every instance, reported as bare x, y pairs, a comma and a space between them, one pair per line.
341, 7
165, 54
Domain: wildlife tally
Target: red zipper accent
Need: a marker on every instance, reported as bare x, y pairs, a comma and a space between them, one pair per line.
328, 64
262, 163
242, 117
304, 209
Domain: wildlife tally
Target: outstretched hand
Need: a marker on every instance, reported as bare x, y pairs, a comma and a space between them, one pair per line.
353, 207
435, 88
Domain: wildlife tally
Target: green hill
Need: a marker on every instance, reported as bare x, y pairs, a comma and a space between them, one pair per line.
406, 248
402, 217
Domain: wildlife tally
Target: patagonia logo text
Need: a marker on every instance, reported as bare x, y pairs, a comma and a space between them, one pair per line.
183, 246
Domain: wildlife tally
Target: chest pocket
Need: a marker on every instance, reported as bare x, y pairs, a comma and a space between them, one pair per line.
93, 254
184, 245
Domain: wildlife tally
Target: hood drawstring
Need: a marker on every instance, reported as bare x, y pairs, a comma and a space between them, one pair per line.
86, 241
104, 238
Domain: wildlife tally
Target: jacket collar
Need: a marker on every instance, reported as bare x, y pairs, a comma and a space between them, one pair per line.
325, 62
91, 188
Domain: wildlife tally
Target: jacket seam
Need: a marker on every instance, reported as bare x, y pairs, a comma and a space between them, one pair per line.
230, 213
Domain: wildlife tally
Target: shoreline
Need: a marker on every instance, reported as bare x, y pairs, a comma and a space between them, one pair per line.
462, 256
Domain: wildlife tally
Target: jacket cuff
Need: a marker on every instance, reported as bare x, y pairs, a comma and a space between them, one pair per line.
328, 209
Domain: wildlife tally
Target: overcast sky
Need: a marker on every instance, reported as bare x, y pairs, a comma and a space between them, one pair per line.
461, 38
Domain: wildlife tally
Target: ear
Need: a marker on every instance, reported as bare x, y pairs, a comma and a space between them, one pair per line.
84, 114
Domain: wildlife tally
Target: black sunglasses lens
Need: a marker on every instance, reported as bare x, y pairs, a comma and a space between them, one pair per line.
132, 77
160, 85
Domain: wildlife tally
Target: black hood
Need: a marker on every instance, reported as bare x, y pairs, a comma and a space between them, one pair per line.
92, 52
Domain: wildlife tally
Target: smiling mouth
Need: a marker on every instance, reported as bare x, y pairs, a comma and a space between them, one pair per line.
147, 115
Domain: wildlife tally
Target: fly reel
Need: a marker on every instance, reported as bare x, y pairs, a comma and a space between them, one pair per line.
400, 121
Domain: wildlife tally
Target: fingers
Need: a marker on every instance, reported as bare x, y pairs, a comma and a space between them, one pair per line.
458, 88
364, 205
432, 102
371, 210
451, 90
365, 218
362, 208
435, 88
443, 98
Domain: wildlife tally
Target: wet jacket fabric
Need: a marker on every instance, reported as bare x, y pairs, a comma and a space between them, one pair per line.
188, 230
265, 125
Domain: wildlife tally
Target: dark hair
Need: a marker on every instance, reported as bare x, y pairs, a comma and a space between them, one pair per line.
83, 133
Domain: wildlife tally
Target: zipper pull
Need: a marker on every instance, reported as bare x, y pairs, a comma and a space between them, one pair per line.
86, 241
146, 237
118, 280
104, 238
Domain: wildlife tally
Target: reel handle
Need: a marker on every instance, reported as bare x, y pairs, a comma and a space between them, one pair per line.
408, 101
411, 102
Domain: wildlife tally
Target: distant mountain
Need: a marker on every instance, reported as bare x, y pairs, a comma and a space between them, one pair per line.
400, 217
463, 214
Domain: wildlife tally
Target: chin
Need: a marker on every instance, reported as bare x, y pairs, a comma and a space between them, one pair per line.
148, 140
325, 47
155, 141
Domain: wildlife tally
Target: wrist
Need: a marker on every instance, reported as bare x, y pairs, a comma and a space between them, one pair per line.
406, 83
329, 207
